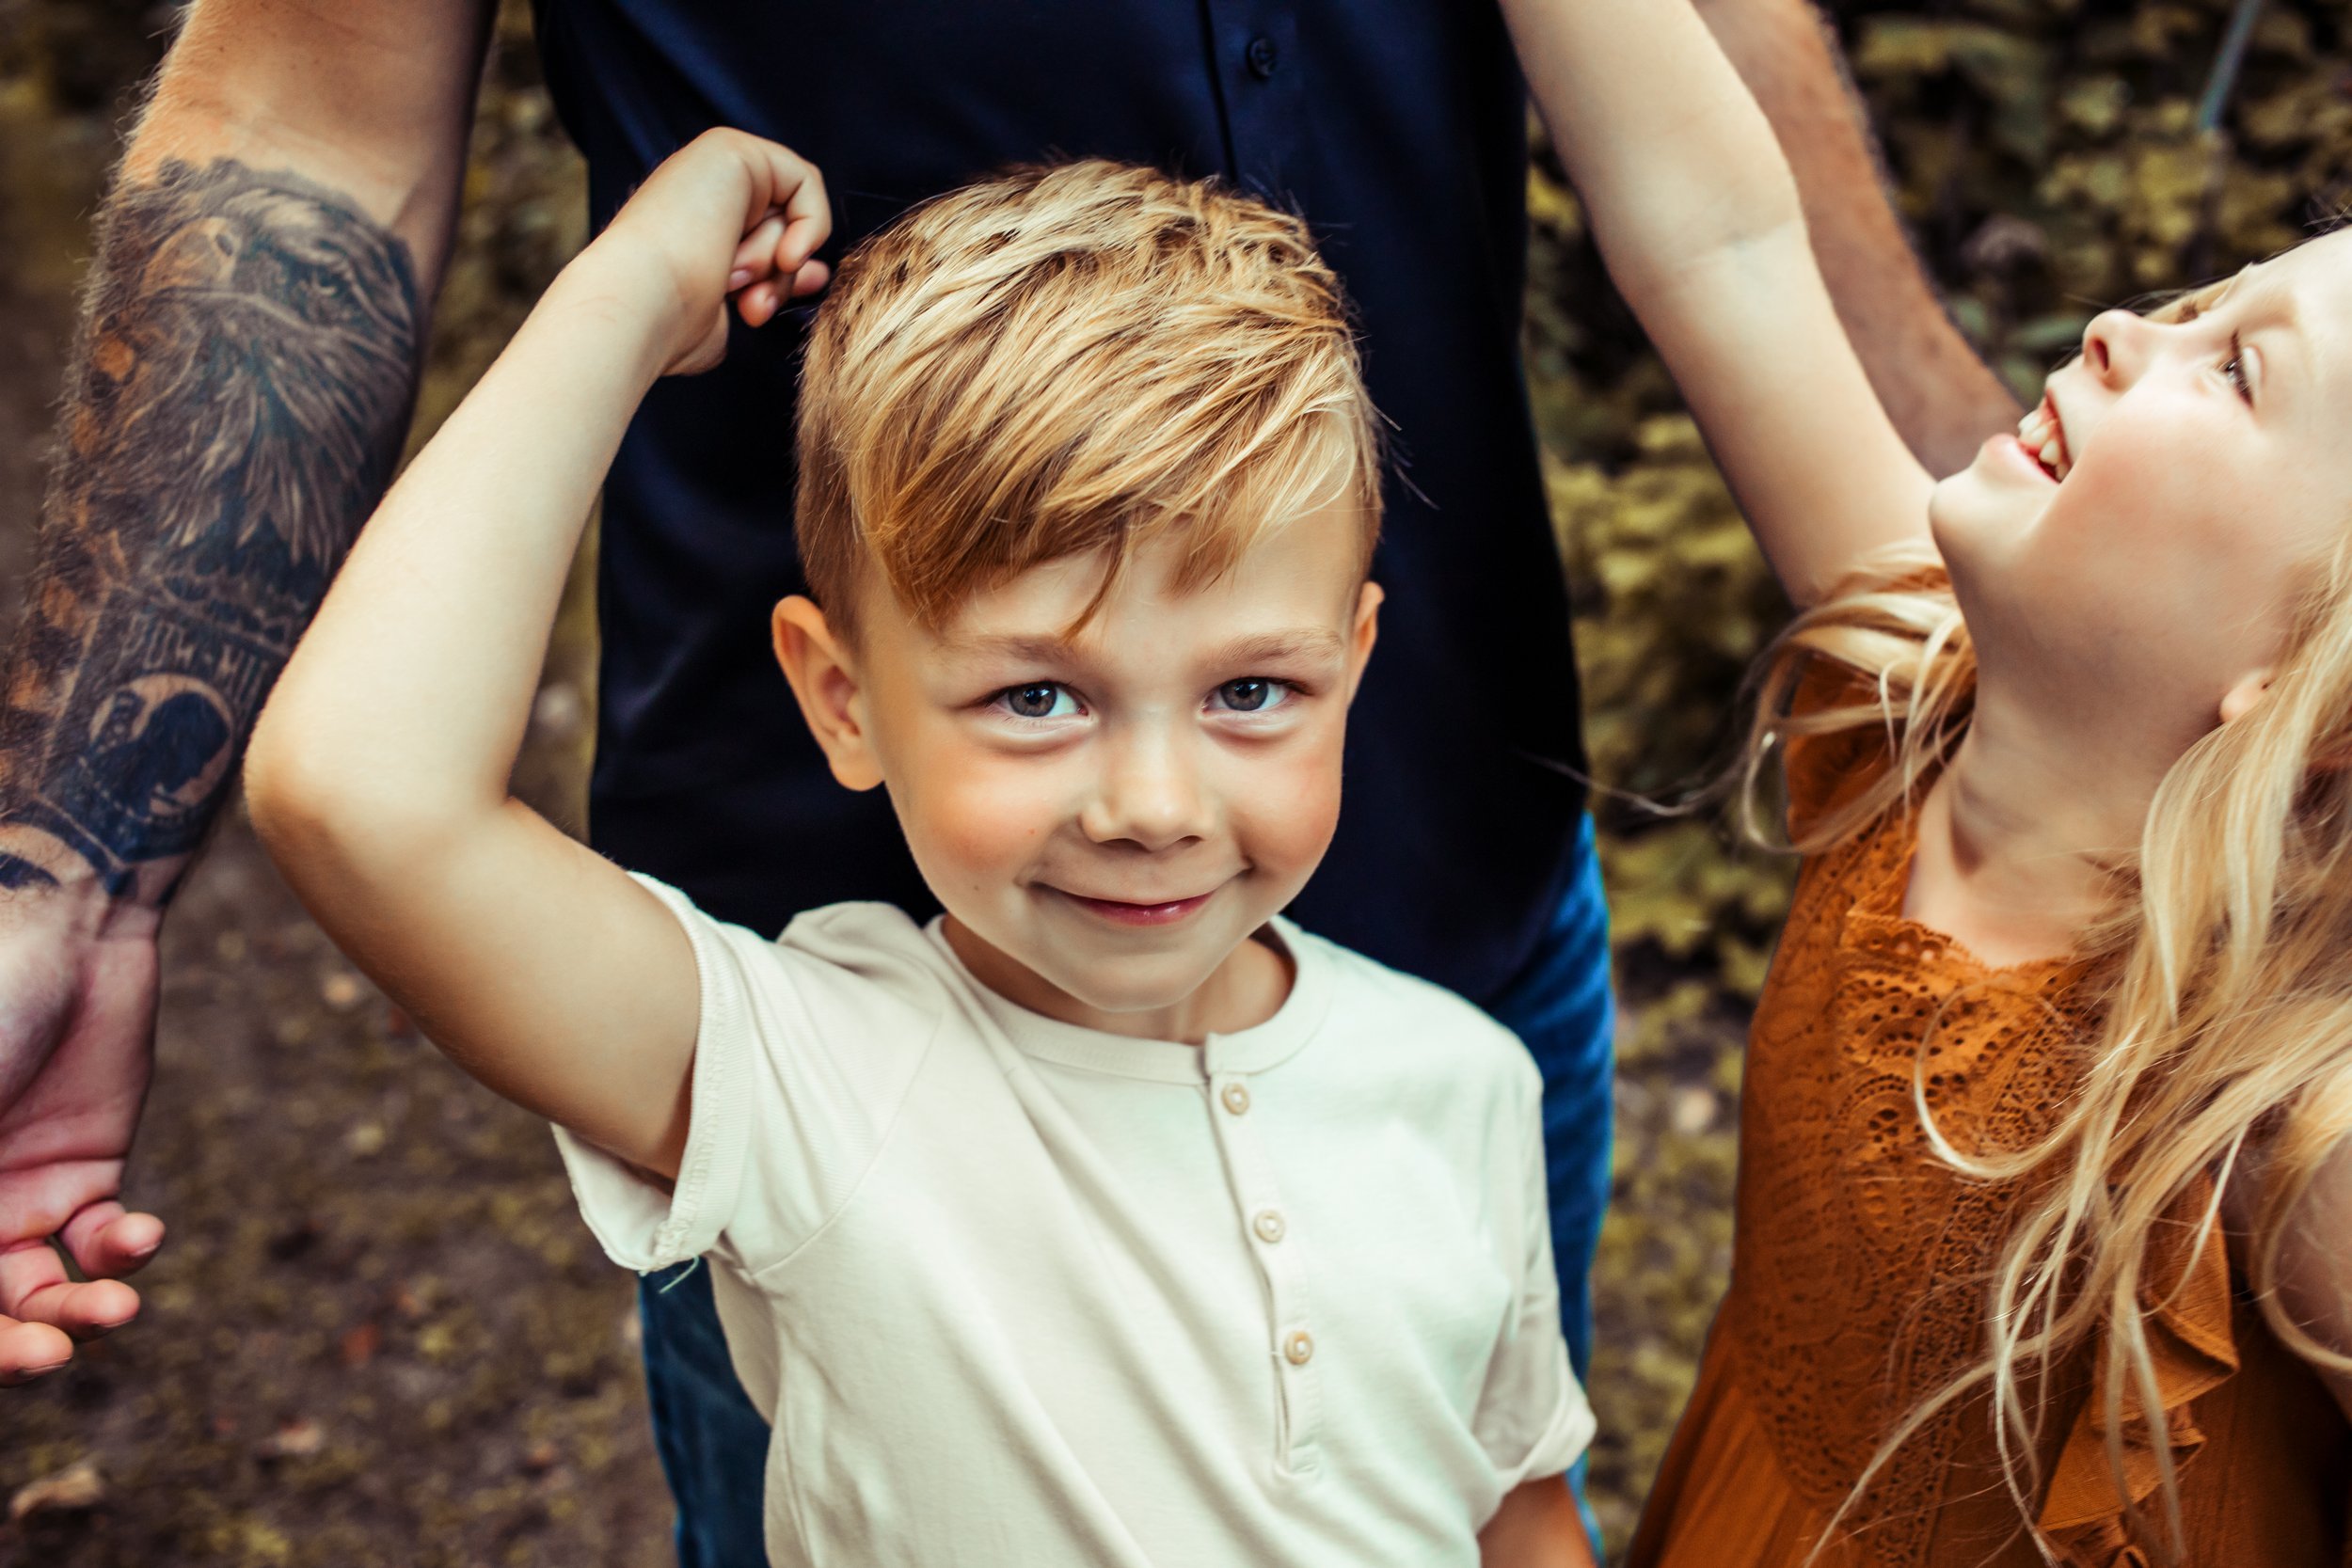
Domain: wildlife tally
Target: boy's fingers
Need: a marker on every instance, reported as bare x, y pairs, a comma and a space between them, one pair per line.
109, 1241
756, 253
808, 214
757, 304
28, 1349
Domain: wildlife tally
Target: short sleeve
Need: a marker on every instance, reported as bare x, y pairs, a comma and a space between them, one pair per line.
803, 1053
1532, 1417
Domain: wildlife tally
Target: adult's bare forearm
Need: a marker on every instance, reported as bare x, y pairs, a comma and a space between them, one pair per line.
240, 387
1942, 398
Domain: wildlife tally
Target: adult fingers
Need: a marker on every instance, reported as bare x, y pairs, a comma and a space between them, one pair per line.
107, 1241
34, 1289
29, 1349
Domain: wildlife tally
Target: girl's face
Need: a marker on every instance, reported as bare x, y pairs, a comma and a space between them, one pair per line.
2137, 547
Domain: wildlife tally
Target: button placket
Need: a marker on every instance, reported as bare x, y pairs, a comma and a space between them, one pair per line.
1263, 63
1281, 1265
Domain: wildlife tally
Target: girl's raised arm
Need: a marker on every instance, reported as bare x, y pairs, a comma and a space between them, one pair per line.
1696, 215
377, 775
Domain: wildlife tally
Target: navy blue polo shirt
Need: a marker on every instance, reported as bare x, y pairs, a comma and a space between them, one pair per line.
1397, 128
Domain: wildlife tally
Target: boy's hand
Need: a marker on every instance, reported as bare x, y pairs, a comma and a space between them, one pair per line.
728, 216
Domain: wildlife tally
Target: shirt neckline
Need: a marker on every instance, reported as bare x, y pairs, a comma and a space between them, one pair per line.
1245, 1050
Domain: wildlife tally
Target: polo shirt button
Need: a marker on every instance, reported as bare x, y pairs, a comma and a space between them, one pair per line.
1262, 56
1268, 1225
1236, 1097
1300, 1348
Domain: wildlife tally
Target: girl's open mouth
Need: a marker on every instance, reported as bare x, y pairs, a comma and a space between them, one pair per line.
2045, 438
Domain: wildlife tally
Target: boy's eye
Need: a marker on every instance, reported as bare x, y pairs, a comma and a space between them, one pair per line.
2234, 368
1253, 694
1039, 699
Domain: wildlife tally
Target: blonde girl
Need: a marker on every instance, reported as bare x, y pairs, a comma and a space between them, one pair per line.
2044, 1172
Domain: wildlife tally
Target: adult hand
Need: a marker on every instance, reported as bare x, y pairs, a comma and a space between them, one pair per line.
77, 1019
728, 216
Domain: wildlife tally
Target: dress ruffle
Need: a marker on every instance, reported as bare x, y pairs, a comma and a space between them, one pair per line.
2087, 1512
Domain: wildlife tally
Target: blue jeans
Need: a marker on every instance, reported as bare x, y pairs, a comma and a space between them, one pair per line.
714, 1445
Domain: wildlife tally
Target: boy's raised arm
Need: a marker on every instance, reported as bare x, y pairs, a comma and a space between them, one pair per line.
1692, 202
377, 776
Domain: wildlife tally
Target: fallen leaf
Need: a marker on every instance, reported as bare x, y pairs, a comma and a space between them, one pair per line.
73, 1490
296, 1439
360, 1344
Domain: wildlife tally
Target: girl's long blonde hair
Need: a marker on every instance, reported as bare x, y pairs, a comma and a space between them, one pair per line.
2225, 963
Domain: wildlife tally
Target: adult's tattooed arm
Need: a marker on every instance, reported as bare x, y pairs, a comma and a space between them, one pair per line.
238, 395
235, 408
240, 387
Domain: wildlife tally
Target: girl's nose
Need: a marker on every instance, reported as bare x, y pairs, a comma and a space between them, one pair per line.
2115, 344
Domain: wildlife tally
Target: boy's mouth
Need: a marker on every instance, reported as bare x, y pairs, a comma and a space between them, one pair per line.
1130, 913
2045, 438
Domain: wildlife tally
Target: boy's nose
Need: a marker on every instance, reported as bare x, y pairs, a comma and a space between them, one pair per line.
1150, 795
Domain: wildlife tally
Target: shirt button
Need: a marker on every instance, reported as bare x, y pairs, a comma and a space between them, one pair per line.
1262, 56
1300, 1348
1236, 1097
1268, 1225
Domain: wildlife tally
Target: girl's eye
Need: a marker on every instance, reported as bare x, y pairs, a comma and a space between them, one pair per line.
1253, 694
2234, 368
1039, 699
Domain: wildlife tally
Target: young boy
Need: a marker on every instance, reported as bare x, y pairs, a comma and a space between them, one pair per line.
1111, 1219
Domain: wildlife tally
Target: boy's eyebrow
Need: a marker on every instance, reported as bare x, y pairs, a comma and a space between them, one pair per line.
1013, 647
1275, 646
1267, 647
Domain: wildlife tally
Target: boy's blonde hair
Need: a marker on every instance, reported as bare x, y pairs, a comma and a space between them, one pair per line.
1066, 359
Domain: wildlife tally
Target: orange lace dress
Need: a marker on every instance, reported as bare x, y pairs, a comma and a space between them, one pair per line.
1859, 1271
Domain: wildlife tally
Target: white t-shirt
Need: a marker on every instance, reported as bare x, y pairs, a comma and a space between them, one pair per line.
1014, 1291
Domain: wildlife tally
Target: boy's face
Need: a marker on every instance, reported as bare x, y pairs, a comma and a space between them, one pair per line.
1108, 816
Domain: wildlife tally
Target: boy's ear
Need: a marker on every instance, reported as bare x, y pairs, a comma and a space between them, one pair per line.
826, 682
1363, 634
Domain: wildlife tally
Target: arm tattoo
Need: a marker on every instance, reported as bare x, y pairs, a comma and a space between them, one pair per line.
241, 387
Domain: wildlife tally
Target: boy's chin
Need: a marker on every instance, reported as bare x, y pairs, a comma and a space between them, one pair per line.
1136, 985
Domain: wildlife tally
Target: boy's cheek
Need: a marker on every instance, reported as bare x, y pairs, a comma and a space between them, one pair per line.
965, 811
1287, 811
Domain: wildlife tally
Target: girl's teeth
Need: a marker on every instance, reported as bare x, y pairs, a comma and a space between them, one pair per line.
2050, 451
